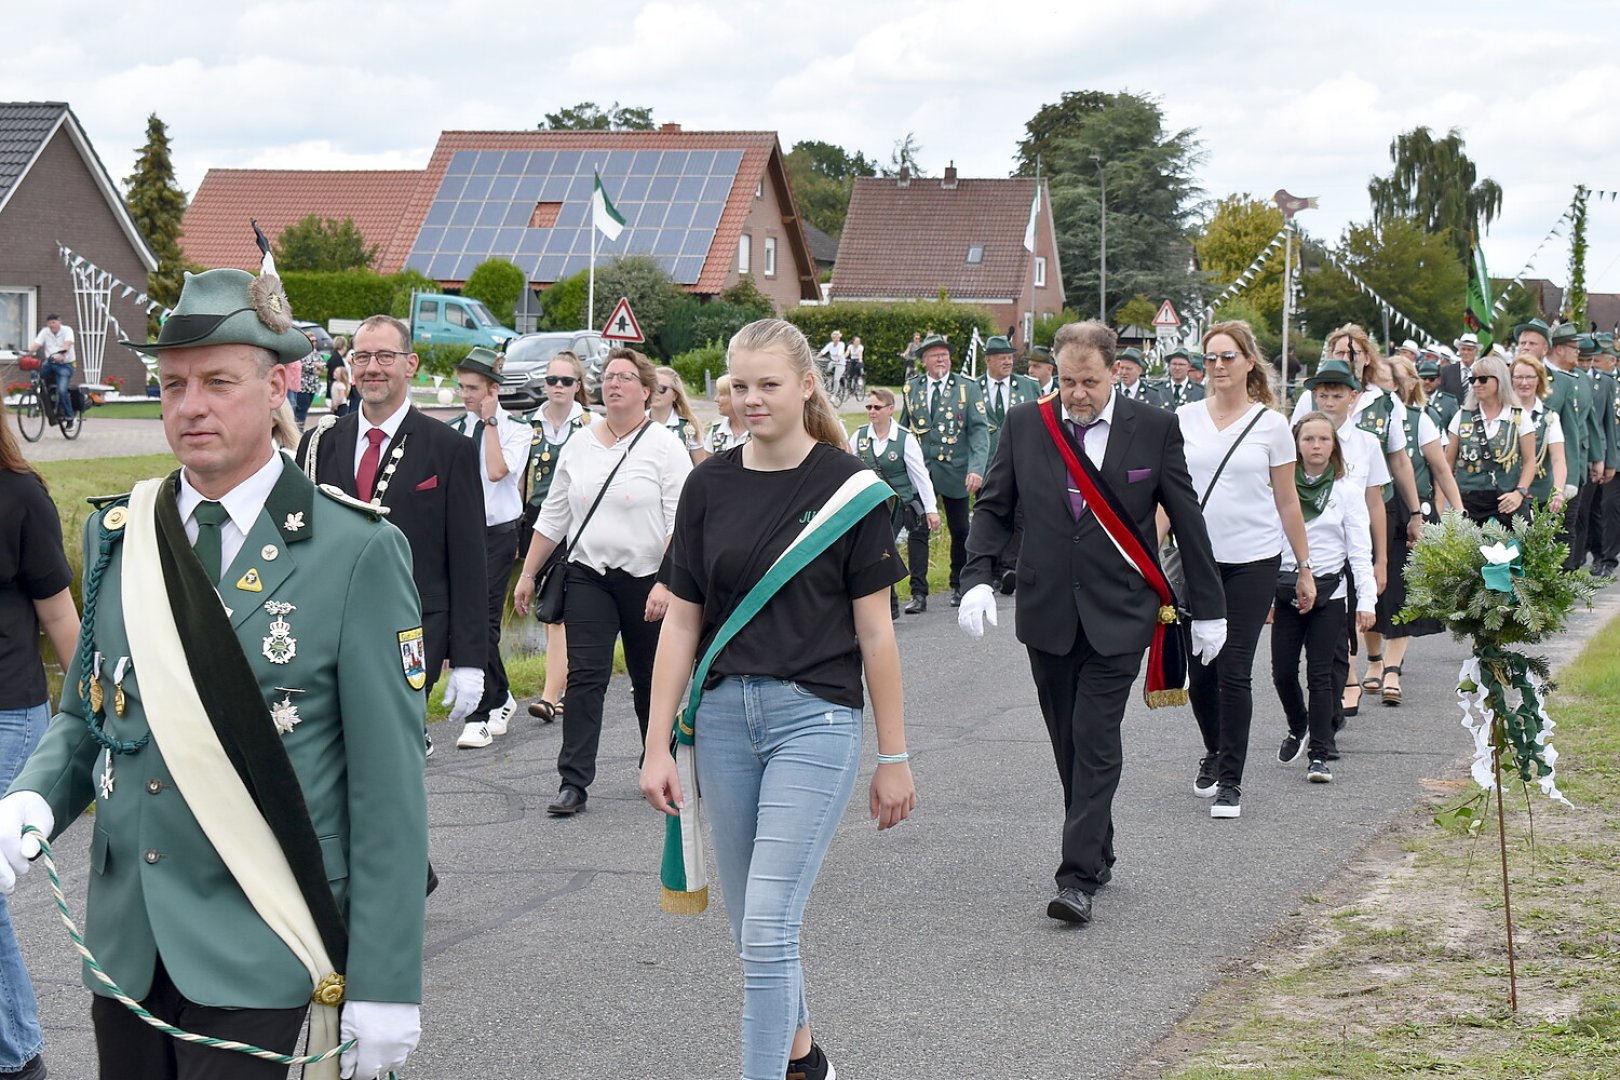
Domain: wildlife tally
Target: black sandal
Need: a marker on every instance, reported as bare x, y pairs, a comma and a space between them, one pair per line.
543, 710
1351, 710
1392, 694
1370, 683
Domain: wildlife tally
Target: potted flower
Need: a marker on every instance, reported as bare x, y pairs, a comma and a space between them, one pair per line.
117, 384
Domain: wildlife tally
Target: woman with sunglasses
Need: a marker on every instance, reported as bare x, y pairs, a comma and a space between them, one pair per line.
1531, 386
1493, 446
894, 454
670, 408
555, 422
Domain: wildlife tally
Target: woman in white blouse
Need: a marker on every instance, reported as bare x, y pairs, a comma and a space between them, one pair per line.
730, 430
1492, 451
670, 407
613, 563
1240, 454
894, 454
1531, 385
1334, 506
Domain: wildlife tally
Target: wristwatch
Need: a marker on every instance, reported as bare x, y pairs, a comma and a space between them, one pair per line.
1524, 492
1306, 565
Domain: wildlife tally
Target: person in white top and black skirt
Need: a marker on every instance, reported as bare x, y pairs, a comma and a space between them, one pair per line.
613, 592
895, 454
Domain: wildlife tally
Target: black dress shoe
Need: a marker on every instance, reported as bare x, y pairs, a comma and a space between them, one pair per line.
1070, 905
1009, 582
956, 598
917, 605
570, 800
1105, 876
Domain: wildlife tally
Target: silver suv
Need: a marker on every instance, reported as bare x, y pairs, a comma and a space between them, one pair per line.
523, 385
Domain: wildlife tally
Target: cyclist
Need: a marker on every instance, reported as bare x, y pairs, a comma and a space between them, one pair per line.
857, 365
54, 344
832, 358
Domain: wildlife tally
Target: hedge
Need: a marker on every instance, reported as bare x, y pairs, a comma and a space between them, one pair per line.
694, 364
885, 330
692, 322
320, 296
498, 283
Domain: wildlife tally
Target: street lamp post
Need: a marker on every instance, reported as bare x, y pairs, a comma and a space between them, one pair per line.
1102, 261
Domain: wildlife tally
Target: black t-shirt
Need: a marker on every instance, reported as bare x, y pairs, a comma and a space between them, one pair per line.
732, 524
32, 567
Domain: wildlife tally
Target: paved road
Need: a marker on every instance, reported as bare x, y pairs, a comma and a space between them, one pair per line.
927, 947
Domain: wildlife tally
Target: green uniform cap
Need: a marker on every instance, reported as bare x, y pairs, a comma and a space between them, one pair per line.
1134, 355
1564, 333
1040, 354
1588, 344
1428, 370
1196, 360
482, 361
1179, 350
932, 341
1536, 325
231, 307
1331, 372
1605, 341
996, 346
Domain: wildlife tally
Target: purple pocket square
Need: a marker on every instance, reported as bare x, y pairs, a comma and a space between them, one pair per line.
1134, 475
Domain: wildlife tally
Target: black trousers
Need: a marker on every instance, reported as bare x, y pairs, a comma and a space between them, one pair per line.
436, 642
1480, 507
1221, 693
917, 537
1596, 528
127, 1049
500, 550
956, 520
1318, 634
600, 609
1577, 520
1083, 696
1611, 521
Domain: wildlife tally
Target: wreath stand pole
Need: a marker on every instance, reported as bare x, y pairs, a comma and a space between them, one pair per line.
1501, 835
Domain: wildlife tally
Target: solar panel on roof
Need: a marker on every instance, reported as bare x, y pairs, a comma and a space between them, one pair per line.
672, 201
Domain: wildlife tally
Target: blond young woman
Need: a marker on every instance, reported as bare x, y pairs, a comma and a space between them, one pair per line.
671, 408
1531, 386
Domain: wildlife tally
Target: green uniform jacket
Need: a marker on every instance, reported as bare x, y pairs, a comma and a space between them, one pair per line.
156, 883
1571, 399
1445, 407
1023, 389
955, 438
1606, 410
1174, 397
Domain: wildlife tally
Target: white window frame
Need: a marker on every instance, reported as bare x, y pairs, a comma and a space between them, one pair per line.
30, 326
759, 189
975, 255
745, 254
1040, 271
770, 256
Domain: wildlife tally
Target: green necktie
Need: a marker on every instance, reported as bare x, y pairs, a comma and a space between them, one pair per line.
210, 516
1001, 403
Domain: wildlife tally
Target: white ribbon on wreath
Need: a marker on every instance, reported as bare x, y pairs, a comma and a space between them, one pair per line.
1477, 721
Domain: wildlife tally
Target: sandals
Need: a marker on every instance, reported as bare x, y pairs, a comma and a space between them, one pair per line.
1392, 694
1370, 683
544, 710
1348, 710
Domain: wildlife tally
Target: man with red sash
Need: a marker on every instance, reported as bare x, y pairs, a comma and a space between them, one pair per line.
1089, 470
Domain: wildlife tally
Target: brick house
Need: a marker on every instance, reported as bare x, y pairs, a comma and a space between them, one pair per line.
55, 190
710, 205
910, 238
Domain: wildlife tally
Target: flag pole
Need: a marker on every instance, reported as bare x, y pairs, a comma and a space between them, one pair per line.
590, 301
1288, 294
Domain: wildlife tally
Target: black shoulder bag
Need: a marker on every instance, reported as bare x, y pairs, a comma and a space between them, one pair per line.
551, 586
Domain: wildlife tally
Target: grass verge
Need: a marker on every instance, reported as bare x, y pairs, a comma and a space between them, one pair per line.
1407, 974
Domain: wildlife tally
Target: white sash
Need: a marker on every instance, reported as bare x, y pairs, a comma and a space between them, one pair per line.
206, 778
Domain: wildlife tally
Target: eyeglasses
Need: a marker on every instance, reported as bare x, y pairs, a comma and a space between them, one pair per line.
666, 389
560, 380
1481, 380
383, 358
621, 376
1223, 357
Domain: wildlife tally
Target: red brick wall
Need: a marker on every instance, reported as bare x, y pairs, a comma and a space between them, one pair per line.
765, 219
59, 201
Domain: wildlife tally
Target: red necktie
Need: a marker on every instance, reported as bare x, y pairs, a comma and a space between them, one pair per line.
366, 476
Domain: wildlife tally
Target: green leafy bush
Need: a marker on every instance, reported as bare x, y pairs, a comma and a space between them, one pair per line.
498, 283
562, 304
406, 284
1046, 326
694, 364
885, 330
441, 359
320, 296
692, 322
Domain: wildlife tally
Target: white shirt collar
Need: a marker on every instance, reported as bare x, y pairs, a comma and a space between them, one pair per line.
243, 502
390, 426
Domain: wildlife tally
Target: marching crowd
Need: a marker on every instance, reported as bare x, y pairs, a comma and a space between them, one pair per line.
260, 839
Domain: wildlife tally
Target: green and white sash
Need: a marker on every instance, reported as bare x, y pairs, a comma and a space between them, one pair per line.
685, 886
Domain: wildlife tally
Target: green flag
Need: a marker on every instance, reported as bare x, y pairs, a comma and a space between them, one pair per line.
1477, 315
604, 215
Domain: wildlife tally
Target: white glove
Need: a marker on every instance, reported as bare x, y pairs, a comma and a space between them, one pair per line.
978, 605
462, 692
18, 809
1208, 635
385, 1033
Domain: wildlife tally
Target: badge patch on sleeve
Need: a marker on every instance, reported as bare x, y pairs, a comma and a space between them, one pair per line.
413, 657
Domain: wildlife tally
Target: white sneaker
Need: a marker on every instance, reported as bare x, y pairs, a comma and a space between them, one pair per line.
499, 718
474, 736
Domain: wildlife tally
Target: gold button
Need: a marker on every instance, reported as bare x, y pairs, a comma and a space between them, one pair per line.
153, 856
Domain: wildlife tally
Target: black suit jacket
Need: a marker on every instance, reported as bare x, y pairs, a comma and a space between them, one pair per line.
1451, 380
1069, 572
436, 499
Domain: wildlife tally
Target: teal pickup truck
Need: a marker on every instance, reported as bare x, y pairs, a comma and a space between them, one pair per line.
442, 319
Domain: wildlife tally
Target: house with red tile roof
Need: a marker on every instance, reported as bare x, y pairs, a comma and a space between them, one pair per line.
710, 206
911, 238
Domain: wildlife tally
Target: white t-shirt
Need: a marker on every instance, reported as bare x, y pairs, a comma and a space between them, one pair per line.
48, 344
1241, 512
633, 524
1339, 533
503, 501
1551, 420
1364, 459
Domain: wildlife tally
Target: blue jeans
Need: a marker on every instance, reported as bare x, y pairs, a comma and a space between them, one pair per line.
776, 766
20, 1037
60, 375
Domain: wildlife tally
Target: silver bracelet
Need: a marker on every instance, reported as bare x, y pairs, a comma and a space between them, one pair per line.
894, 759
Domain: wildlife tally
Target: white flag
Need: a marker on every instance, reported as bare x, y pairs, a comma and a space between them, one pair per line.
1034, 213
604, 216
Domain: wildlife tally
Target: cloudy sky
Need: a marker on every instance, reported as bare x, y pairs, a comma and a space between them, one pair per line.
1303, 95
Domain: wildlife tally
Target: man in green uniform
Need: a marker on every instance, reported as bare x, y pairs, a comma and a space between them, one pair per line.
1180, 388
1608, 554
1128, 369
1605, 433
1571, 399
260, 829
1002, 389
1440, 402
1042, 370
945, 411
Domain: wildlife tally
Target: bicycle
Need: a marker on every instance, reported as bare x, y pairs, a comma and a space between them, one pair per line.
38, 406
837, 389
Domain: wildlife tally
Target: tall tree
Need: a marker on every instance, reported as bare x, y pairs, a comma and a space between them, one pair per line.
318, 243
1090, 140
588, 116
1237, 231
1412, 269
1436, 184
904, 155
823, 176
156, 205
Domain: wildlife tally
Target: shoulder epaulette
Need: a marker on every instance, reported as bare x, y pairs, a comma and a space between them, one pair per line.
101, 502
338, 495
